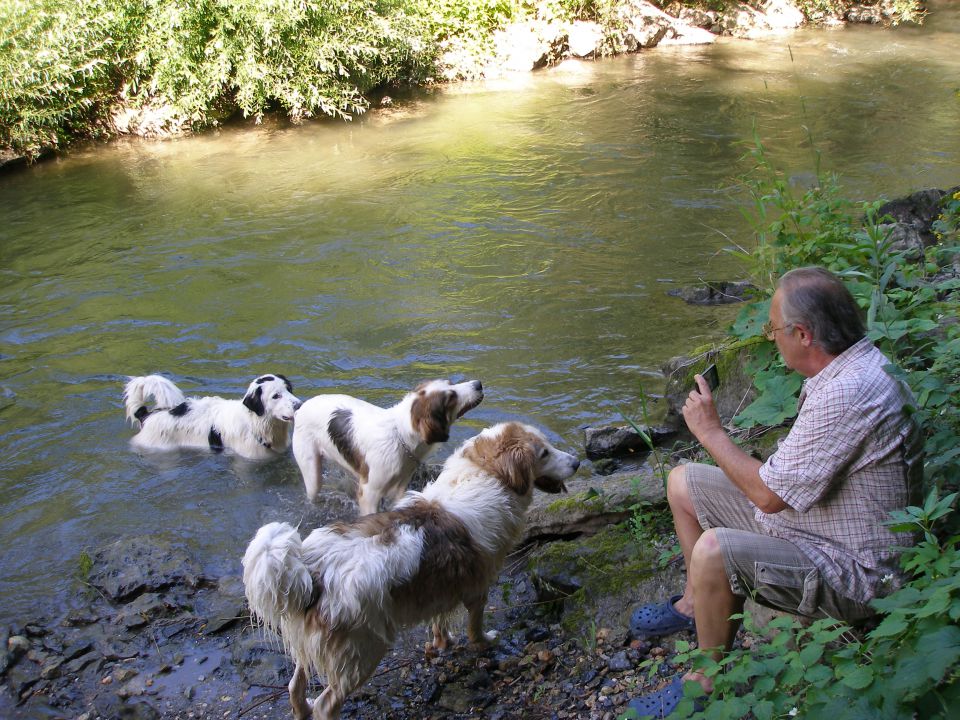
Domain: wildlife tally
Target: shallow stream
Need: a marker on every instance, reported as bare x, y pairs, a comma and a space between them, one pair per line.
523, 232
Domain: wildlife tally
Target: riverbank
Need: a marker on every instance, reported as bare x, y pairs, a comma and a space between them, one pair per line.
95, 71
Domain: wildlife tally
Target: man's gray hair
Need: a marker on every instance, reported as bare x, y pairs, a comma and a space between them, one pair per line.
817, 299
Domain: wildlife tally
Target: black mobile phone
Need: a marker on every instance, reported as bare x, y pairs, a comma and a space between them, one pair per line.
712, 377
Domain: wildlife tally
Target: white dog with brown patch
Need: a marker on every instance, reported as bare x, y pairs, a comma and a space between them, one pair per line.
380, 447
256, 427
339, 596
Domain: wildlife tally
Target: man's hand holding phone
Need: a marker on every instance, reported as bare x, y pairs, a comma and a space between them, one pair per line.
699, 412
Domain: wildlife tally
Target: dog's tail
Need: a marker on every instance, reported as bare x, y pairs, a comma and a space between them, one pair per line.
276, 581
138, 390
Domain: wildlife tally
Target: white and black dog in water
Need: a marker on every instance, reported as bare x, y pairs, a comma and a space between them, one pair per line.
256, 427
340, 595
380, 447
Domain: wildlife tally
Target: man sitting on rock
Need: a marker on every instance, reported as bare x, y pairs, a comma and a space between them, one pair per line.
803, 532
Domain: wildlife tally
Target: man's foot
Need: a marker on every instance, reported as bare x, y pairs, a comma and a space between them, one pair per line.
655, 619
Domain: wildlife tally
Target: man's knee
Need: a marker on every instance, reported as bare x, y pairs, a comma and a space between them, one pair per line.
708, 546
677, 492
707, 557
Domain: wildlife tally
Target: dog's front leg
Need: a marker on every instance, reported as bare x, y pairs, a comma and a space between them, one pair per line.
475, 633
441, 636
298, 693
370, 491
327, 706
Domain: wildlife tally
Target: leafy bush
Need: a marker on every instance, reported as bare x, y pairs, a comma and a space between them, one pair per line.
59, 65
906, 667
908, 302
307, 58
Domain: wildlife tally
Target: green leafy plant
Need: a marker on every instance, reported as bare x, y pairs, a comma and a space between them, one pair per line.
907, 666
649, 524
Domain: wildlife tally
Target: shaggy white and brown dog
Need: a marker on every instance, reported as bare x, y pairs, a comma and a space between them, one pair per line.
256, 427
380, 447
339, 596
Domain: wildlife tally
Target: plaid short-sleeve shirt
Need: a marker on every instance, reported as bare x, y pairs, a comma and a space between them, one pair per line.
852, 456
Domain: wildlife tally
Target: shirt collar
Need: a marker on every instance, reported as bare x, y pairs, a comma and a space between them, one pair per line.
836, 366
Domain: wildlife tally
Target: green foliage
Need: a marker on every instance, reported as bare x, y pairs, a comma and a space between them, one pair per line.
84, 564
905, 667
649, 524
59, 61
906, 300
307, 58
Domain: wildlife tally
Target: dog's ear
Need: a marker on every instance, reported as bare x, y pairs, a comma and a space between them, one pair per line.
254, 401
286, 383
518, 463
510, 456
430, 414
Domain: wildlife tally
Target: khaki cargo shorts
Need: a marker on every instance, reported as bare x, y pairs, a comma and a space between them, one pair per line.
769, 570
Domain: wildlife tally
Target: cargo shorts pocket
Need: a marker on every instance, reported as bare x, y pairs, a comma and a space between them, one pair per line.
793, 588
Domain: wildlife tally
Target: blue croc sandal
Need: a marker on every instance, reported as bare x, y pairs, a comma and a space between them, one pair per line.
660, 703
657, 619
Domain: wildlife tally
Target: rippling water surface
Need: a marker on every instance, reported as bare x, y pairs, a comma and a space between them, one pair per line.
523, 233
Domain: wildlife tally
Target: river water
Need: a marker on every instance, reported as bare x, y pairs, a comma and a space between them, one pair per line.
522, 232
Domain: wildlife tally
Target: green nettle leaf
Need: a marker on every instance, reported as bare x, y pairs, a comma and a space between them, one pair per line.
777, 401
818, 674
763, 710
810, 654
890, 626
858, 678
941, 650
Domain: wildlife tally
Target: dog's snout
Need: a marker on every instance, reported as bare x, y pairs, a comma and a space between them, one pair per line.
575, 465
296, 405
478, 386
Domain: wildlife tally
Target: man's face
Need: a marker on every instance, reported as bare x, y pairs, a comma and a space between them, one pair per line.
786, 338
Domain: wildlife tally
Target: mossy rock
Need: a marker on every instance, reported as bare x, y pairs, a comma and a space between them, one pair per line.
592, 504
596, 580
736, 389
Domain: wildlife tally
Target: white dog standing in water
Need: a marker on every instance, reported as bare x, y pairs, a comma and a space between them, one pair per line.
380, 447
256, 427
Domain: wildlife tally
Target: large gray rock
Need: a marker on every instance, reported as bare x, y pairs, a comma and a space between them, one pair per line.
592, 503
718, 292
622, 440
918, 210
132, 566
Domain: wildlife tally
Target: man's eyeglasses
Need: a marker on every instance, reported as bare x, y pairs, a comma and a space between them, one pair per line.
770, 332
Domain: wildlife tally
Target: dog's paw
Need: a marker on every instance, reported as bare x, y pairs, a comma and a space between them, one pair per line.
484, 639
439, 644
305, 711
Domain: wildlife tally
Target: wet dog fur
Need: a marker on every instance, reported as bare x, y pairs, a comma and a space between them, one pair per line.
255, 427
339, 596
